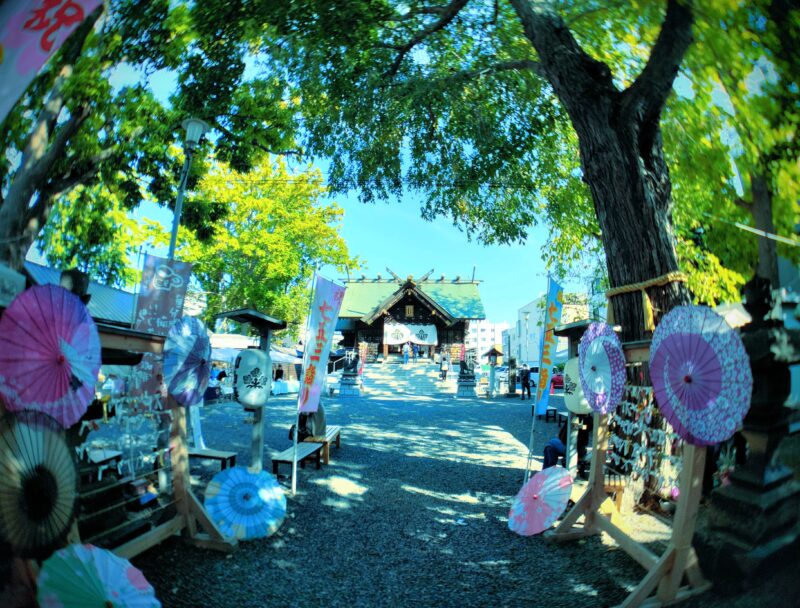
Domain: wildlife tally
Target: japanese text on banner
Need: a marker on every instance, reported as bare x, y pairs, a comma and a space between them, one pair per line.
322, 323
555, 297
30, 33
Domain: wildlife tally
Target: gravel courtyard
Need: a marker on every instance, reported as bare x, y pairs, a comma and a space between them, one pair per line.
412, 511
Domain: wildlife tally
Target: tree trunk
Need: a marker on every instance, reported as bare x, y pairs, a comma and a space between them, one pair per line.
762, 216
621, 152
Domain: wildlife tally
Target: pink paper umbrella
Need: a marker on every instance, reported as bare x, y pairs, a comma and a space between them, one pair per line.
701, 375
49, 354
602, 368
540, 501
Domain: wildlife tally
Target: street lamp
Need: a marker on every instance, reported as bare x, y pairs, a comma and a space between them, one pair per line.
527, 336
195, 128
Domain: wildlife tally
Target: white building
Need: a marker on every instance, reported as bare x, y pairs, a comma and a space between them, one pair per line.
483, 335
524, 339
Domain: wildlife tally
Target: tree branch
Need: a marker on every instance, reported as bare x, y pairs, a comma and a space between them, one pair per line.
448, 13
494, 68
644, 99
58, 187
228, 133
501, 66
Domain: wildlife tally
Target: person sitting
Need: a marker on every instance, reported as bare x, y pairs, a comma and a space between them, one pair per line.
555, 448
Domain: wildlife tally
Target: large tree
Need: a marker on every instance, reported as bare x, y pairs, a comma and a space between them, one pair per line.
277, 230
501, 112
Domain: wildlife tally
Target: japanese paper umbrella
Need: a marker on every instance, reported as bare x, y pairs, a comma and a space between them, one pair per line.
187, 361
245, 505
701, 375
540, 501
85, 576
49, 354
38, 483
602, 368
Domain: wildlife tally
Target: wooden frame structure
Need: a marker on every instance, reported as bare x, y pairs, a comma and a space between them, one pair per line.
665, 573
190, 511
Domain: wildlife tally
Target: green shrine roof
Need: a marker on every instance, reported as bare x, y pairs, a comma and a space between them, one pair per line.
461, 299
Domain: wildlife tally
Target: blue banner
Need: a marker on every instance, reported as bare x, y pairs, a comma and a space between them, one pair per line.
552, 318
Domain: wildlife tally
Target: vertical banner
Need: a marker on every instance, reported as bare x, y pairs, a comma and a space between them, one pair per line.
321, 325
159, 304
161, 294
552, 317
31, 31
363, 350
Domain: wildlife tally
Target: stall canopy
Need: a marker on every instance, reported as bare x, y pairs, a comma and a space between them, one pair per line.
225, 347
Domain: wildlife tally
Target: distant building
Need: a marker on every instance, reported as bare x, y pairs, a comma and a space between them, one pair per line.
483, 335
386, 313
524, 339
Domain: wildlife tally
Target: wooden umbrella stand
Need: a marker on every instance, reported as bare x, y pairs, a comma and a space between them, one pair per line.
191, 518
665, 573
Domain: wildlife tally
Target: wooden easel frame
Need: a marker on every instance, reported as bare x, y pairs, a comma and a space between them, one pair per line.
665, 573
190, 510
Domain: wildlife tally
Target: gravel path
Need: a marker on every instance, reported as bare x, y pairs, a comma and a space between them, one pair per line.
412, 511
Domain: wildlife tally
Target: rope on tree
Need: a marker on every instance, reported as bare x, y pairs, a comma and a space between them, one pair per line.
676, 276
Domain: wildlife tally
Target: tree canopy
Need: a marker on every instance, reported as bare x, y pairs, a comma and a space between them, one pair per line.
500, 114
276, 231
453, 100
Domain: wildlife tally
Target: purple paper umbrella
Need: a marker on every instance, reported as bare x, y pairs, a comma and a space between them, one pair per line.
187, 361
701, 375
49, 354
602, 367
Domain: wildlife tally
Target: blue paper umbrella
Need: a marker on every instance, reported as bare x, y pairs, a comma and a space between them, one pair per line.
187, 361
245, 505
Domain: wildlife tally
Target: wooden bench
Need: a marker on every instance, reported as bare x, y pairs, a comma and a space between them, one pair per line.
226, 459
305, 450
332, 433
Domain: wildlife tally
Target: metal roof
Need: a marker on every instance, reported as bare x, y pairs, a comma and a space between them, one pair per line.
461, 300
107, 303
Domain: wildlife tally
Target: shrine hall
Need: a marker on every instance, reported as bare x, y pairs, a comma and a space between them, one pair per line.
385, 313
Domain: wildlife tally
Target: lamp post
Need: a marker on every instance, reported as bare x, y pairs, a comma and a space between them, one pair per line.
195, 128
527, 336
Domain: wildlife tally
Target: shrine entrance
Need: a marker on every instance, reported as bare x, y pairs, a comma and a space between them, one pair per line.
386, 314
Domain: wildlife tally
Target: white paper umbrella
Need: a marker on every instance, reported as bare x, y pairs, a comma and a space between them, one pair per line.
602, 368
574, 398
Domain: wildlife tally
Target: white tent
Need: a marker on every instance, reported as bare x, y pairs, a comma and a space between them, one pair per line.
225, 347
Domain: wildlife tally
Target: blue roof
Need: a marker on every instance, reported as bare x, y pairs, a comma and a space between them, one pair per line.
107, 303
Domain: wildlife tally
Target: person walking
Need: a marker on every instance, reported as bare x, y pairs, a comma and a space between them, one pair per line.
525, 381
444, 367
414, 352
406, 350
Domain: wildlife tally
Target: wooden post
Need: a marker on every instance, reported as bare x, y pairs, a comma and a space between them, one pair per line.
257, 440
691, 488
179, 457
